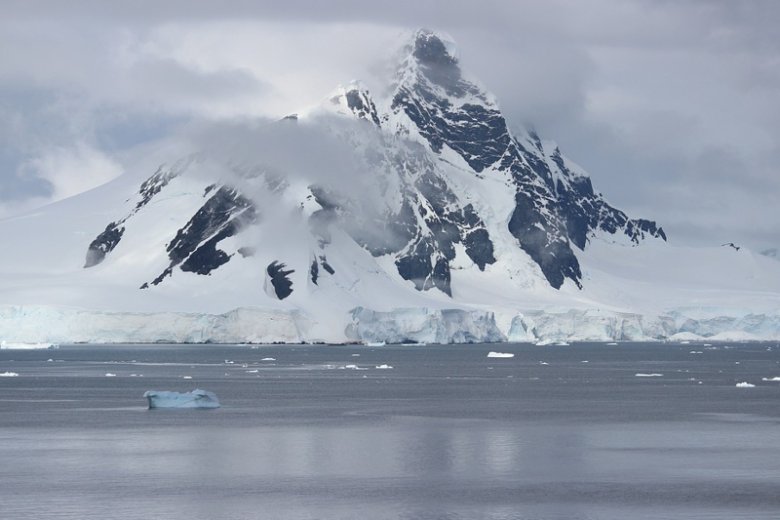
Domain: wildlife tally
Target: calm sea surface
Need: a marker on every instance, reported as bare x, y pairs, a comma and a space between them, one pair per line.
309, 432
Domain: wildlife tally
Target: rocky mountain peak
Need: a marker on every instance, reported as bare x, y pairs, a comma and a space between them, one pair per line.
429, 49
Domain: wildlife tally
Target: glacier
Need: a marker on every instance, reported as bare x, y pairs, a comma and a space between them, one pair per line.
72, 325
423, 325
194, 399
44, 324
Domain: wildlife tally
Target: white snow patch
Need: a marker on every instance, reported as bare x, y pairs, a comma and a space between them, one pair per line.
11, 345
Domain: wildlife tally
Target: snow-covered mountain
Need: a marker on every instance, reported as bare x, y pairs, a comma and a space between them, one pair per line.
415, 215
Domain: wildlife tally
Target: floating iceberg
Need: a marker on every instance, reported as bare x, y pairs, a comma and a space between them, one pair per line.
384, 367
8, 374
195, 399
640, 374
745, 384
10, 345
775, 379
500, 355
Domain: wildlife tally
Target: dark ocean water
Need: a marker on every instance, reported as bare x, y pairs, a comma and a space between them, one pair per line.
446, 433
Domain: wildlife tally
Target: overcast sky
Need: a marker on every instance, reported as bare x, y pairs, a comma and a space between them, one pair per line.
672, 106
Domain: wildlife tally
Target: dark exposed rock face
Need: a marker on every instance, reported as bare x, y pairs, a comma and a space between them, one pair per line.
422, 232
194, 247
107, 240
326, 265
103, 244
361, 104
278, 276
314, 268
314, 272
552, 210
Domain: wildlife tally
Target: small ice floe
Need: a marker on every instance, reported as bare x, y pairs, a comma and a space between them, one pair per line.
707, 345
9, 374
543, 363
355, 355
195, 399
268, 359
561, 344
775, 379
745, 384
695, 352
383, 367
14, 345
612, 343
686, 342
504, 355
186, 377
584, 361
110, 374
252, 371
50, 360
652, 374
376, 343
228, 362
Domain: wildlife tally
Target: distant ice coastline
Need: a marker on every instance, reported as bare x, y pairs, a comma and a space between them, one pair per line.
46, 326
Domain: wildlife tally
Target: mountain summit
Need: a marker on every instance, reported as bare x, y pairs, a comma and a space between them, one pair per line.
435, 120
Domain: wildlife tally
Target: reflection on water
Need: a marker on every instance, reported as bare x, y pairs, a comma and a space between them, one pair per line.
446, 434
